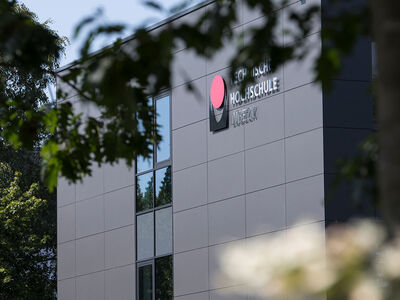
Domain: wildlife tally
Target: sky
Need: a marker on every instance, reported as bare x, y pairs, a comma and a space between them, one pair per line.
66, 14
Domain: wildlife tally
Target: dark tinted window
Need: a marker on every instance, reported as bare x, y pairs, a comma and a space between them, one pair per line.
164, 279
145, 282
163, 186
144, 192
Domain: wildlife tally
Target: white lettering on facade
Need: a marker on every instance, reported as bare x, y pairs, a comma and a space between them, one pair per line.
244, 116
264, 87
257, 71
257, 90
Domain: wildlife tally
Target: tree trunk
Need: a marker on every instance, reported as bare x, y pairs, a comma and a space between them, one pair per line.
386, 31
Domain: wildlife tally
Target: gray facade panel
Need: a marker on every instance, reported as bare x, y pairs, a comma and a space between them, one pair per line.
269, 126
189, 106
255, 297
66, 260
225, 142
66, 192
194, 263
259, 23
228, 294
66, 289
301, 72
303, 109
181, 73
215, 253
90, 217
304, 155
265, 166
119, 283
227, 220
118, 176
265, 211
90, 287
305, 200
197, 296
119, 208
222, 58
91, 186
90, 254
190, 187
119, 247
226, 177
191, 229
66, 223
239, 11
250, 14
290, 29
189, 19
189, 146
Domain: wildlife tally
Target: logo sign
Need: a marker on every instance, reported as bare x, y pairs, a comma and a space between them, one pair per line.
220, 99
218, 103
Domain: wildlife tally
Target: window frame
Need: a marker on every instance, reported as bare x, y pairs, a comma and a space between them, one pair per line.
153, 277
151, 262
155, 167
167, 162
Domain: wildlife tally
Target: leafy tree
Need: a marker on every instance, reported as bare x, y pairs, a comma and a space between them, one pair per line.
119, 79
27, 240
29, 52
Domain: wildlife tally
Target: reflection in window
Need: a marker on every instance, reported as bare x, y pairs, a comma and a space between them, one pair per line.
164, 231
154, 211
144, 164
163, 122
144, 192
145, 236
145, 282
164, 280
163, 186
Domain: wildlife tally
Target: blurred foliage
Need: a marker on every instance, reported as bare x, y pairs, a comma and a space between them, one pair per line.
27, 236
352, 261
119, 79
29, 52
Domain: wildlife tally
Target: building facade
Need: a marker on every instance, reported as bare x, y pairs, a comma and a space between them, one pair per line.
231, 168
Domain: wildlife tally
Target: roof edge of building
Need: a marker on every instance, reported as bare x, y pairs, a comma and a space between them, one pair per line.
149, 28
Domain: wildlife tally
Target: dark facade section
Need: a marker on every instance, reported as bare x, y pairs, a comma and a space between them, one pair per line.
348, 120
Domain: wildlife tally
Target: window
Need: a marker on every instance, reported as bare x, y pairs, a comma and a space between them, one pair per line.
154, 213
157, 273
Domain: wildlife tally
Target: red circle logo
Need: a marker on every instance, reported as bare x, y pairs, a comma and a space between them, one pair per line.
217, 92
